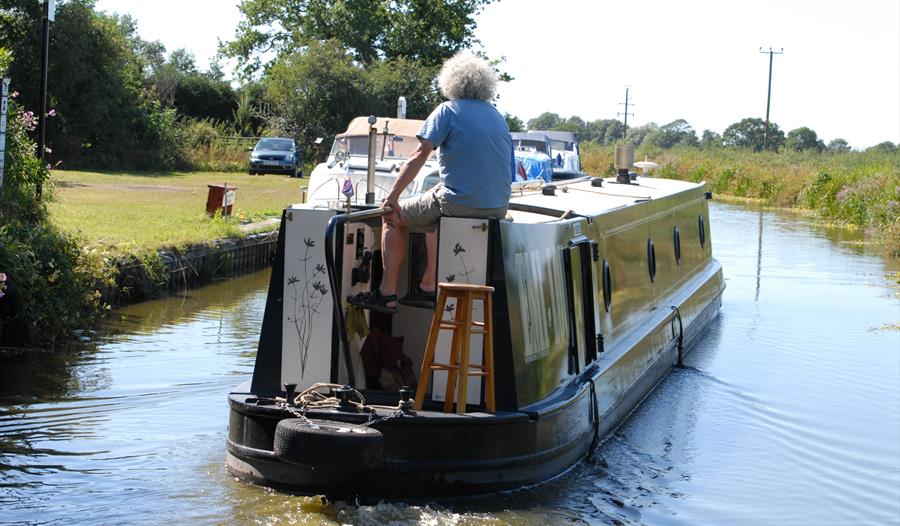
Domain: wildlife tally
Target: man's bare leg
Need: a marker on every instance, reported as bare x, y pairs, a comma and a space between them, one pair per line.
429, 278
393, 251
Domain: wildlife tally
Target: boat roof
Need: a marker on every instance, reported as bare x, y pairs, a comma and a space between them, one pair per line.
529, 136
555, 135
404, 127
579, 197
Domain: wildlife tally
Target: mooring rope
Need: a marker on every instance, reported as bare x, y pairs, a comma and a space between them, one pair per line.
312, 397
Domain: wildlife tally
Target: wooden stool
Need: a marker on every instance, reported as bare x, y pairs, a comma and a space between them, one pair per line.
458, 368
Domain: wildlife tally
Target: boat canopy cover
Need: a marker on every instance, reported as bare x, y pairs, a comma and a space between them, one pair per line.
529, 136
405, 127
565, 136
536, 165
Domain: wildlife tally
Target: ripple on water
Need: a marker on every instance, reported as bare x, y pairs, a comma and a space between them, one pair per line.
789, 412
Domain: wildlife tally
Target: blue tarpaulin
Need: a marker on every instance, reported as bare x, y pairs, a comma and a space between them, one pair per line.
537, 165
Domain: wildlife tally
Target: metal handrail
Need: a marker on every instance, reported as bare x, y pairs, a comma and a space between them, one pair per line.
339, 319
541, 210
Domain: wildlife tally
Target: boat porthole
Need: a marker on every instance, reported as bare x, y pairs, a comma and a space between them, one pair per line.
701, 225
607, 285
676, 239
651, 260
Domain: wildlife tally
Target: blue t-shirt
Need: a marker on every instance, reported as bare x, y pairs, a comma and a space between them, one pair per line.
475, 152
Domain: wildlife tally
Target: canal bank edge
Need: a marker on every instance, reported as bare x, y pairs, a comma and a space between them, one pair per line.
172, 270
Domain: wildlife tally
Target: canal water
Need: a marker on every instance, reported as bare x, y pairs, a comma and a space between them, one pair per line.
787, 412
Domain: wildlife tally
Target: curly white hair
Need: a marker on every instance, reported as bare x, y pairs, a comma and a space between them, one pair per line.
465, 76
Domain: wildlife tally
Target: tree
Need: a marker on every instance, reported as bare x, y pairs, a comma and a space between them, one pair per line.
106, 117
710, 139
605, 131
750, 133
886, 147
388, 80
183, 61
545, 121
838, 145
804, 139
202, 97
677, 132
249, 119
316, 92
515, 124
637, 135
428, 31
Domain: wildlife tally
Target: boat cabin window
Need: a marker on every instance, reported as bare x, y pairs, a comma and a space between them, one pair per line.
397, 146
525, 145
562, 145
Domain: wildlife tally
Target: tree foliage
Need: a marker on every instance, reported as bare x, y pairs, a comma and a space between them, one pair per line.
710, 139
803, 139
677, 132
545, 121
838, 146
317, 91
427, 31
514, 123
885, 147
750, 133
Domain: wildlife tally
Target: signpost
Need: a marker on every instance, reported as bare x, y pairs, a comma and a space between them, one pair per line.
4, 105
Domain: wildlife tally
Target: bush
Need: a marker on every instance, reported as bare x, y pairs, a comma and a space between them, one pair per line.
209, 145
51, 283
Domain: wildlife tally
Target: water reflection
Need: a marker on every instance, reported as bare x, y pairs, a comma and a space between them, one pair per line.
788, 410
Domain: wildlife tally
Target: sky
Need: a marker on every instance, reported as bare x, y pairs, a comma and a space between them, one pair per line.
697, 60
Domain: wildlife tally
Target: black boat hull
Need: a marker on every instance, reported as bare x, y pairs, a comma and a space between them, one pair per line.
435, 455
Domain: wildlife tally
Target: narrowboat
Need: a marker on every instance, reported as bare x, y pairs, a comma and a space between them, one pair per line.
600, 285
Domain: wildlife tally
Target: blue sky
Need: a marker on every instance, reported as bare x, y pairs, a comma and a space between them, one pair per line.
698, 59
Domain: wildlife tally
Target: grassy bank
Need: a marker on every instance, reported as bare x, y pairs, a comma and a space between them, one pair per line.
854, 188
139, 212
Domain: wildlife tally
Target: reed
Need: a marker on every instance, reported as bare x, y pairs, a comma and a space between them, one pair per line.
853, 188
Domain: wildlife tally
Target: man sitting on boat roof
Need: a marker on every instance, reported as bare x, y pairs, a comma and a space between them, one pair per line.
475, 160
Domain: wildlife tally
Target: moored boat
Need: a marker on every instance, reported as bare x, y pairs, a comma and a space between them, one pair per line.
600, 286
563, 153
394, 141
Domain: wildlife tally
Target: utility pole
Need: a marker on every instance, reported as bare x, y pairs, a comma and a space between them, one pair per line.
49, 16
769, 98
626, 113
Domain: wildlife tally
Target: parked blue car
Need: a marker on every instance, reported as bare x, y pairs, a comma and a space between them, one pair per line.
276, 155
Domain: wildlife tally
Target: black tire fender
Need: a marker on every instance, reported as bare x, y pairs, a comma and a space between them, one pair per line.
329, 443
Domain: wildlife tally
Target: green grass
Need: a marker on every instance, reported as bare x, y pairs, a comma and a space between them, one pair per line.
140, 212
853, 188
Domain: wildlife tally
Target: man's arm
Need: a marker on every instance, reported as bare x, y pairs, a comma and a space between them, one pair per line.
408, 172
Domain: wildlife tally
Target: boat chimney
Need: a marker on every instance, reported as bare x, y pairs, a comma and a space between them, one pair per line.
624, 162
370, 173
401, 108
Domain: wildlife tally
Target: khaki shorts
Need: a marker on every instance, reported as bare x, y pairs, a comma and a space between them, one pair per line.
423, 212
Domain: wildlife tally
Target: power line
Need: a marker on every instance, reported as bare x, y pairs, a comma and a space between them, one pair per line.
769, 98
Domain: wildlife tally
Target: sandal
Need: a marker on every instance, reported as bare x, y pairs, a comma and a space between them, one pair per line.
374, 301
420, 298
